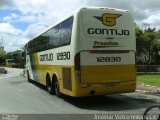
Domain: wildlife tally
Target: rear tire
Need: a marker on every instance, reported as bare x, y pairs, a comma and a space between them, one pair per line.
56, 89
49, 85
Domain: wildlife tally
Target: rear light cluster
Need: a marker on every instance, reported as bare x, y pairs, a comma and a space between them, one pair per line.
77, 67
77, 61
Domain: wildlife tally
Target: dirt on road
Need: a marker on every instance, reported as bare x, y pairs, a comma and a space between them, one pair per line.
147, 89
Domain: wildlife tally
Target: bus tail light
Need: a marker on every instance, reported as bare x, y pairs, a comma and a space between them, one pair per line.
77, 66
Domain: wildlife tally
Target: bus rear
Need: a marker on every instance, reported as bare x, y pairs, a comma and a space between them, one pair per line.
105, 59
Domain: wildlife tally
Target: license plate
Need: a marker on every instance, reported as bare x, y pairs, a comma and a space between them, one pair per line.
111, 86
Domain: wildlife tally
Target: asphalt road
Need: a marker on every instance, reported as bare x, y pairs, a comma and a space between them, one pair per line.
17, 96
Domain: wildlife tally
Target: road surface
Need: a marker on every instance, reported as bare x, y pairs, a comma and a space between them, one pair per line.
17, 96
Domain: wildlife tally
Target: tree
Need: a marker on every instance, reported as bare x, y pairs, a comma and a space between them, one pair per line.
148, 46
139, 39
3, 57
151, 30
149, 42
156, 47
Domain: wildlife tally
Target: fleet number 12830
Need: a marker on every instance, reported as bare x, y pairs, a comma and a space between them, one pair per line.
108, 59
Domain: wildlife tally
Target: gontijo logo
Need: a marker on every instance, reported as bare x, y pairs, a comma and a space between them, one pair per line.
108, 19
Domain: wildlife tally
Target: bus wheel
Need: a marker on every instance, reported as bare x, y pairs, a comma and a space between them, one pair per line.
56, 88
49, 85
28, 77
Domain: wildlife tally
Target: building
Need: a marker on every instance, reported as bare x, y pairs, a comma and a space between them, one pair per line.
2, 49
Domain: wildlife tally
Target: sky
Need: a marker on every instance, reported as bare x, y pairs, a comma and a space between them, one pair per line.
21, 20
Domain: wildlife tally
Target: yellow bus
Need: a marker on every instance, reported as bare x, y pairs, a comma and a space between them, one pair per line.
91, 52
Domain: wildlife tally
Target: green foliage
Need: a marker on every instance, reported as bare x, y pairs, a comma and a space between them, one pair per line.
151, 30
3, 57
148, 45
157, 37
149, 79
17, 56
139, 40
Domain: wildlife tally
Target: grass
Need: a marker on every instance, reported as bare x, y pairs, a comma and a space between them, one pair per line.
149, 79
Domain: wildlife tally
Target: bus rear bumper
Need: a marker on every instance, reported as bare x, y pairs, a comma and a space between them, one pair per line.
105, 89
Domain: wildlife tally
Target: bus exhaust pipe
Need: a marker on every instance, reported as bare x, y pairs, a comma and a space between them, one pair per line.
92, 92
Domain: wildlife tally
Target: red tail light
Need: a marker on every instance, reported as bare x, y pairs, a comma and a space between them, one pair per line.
77, 61
77, 67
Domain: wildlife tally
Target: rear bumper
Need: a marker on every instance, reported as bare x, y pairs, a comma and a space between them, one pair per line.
104, 89
108, 73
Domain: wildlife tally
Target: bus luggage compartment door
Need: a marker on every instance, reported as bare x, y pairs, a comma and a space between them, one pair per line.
107, 66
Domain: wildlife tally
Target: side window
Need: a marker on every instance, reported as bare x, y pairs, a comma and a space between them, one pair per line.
45, 41
58, 36
31, 48
55, 36
66, 31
